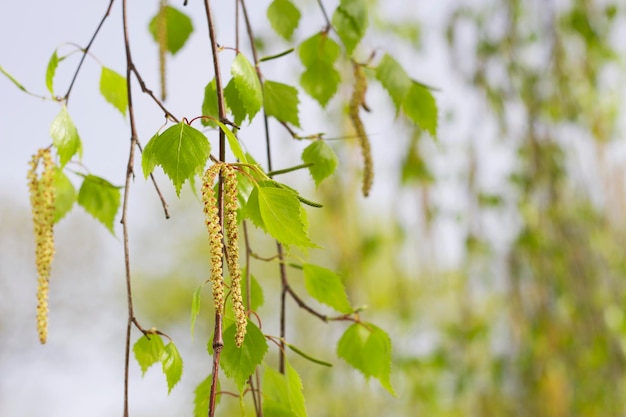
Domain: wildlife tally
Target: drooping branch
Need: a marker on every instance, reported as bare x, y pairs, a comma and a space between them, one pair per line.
218, 342
124, 220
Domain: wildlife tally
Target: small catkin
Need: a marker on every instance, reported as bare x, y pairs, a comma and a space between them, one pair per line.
216, 243
356, 101
42, 198
232, 233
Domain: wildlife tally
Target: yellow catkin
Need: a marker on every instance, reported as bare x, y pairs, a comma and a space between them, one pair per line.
232, 233
356, 101
216, 243
42, 197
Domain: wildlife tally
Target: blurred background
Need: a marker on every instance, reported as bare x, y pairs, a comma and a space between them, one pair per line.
494, 255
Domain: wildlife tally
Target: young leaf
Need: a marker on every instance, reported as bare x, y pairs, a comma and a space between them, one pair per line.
326, 287
252, 210
201, 398
234, 102
239, 363
318, 47
100, 198
323, 159
148, 351
65, 195
281, 101
420, 106
350, 20
248, 86
180, 151
65, 136
53, 63
320, 79
172, 365
14, 80
195, 308
178, 27
283, 393
113, 89
209, 104
393, 79
284, 17
256, 294
280, 211
368, 349
233, 142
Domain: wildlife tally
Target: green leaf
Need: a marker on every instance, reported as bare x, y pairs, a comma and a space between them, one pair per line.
326, 287
234, 102
233, 142
149, 161
318, 47
239, 363
284, 17
148, 351
14, 80
283, 393
114, 90
209, 104
195, 308
280, 211
65, 136
393, 79
256, 295
323, 159
420, 106
368, 349
53, 63
172, 365
252, 211
65, 195
178, 27
281, 101
100, 198
350, 20
248, 86
181, 150
320, 79
201, 399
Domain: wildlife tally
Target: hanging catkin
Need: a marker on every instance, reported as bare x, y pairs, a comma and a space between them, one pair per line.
42, 197
232, 249
356, 101
216, 243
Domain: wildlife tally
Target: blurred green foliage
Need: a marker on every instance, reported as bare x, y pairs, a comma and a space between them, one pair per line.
531, 325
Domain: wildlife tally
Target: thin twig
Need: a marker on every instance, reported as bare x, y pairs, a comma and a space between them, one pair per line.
328, 24
218, 342
302, 304
86, 50
124, 221
149, 92
158, 190
255, 383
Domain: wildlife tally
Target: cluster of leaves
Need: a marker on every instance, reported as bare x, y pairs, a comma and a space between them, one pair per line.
183, 151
